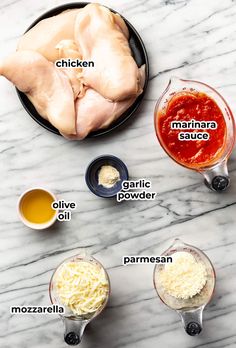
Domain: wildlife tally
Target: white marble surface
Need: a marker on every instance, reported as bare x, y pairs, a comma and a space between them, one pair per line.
188, 38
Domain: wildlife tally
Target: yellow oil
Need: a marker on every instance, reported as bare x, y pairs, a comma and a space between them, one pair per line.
36, 206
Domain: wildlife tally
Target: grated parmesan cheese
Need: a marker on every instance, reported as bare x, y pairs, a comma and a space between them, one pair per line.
185, 277
82, 286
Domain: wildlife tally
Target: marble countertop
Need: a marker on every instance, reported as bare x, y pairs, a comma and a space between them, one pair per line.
193, 39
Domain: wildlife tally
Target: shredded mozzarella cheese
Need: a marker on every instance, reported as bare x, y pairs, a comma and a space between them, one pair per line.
82, 286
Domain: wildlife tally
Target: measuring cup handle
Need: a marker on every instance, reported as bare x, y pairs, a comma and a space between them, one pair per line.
217, 178
193, 328
72, 339
192, 320
74, 330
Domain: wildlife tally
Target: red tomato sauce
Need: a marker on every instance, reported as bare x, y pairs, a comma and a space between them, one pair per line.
186, 106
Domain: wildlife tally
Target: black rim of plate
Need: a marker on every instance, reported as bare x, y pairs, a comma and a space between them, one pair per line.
140, 55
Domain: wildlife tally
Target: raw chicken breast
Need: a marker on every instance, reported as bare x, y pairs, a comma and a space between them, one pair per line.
45, 35
94, 112
76, 84
100, 38
69, 49
48, 88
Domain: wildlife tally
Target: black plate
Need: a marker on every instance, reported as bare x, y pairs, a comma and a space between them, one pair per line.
140, 56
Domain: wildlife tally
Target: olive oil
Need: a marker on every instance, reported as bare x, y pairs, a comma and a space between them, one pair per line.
36, 207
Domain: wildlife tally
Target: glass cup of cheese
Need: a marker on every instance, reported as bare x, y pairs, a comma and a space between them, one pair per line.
187, 284
35, 208
82, 286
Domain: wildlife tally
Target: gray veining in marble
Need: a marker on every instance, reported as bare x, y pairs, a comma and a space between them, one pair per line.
193, 39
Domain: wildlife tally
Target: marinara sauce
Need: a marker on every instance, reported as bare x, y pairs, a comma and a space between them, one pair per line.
186, 106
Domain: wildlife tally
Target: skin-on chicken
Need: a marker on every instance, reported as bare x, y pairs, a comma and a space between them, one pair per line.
48, 88
100, 39
94, 112
45, 35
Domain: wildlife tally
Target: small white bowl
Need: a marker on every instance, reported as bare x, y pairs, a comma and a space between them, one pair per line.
35, 226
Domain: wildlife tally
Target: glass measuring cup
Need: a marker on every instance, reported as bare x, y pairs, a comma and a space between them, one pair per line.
215, 172
190, 310
74, 325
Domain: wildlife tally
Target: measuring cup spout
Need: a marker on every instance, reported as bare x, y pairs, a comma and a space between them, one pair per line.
74, 330
192, 320
217, 178
175, 82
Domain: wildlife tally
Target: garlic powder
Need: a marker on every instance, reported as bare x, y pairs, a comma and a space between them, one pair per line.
108, 176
